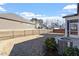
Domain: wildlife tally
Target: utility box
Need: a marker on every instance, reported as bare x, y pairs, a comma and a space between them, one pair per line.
62, 44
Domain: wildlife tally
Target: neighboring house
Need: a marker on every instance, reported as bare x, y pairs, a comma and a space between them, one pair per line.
38, 23
72, 24
13, 21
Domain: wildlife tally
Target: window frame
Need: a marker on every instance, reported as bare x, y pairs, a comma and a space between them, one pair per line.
73, 31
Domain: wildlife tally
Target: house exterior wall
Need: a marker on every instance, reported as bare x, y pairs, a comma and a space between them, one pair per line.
8, 24
71, 18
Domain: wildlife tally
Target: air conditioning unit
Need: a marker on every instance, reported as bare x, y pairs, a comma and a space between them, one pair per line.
62, 44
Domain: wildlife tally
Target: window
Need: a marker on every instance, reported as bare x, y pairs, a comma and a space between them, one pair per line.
73, 29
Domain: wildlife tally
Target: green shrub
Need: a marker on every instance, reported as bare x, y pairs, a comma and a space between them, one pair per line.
50, 43
51, 47
71, 51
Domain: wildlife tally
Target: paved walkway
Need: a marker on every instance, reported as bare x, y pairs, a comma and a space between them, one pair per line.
33, 47
27, 48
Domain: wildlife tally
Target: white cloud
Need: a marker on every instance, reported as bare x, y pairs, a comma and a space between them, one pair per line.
72, 11
63, 14
2, 9
2, 3
29, 15
69, 7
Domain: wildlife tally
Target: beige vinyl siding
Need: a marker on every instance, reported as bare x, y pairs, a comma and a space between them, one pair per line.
8, 24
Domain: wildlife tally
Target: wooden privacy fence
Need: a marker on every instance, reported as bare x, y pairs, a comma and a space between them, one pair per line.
19, 33
58, 30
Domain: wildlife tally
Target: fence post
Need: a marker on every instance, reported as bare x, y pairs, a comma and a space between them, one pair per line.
32, 32
39, 31
12, 34
24, 33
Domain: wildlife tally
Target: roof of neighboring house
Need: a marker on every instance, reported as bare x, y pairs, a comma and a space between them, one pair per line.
70, 15
14, 17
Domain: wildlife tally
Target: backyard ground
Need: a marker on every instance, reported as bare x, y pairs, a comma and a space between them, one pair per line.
30, 47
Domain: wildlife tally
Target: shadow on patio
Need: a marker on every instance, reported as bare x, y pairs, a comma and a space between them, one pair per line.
34, 47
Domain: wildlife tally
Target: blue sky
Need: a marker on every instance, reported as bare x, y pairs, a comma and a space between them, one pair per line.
47, 9
39, 10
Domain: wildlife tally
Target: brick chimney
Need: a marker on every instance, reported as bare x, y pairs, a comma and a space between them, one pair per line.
77, 8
